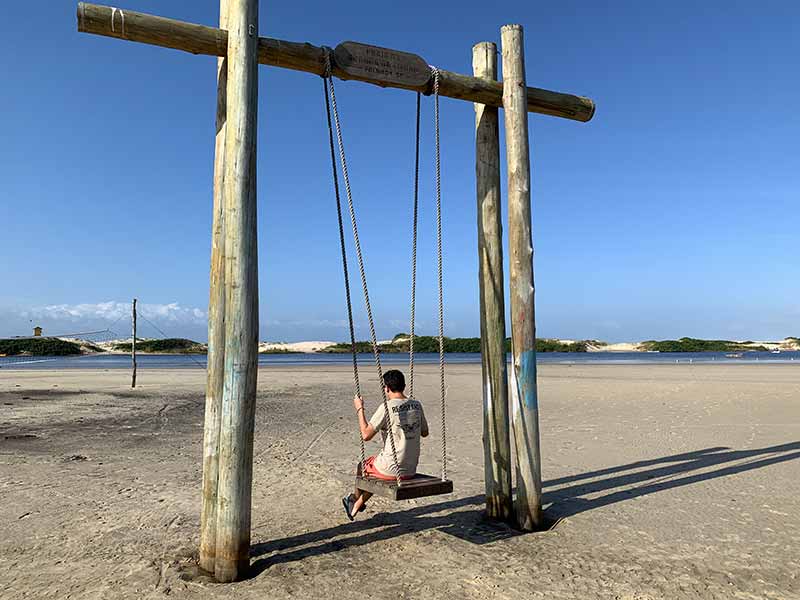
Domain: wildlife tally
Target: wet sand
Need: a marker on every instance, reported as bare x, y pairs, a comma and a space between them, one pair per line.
671, 481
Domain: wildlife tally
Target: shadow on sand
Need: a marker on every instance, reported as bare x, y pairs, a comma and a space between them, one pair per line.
567, 499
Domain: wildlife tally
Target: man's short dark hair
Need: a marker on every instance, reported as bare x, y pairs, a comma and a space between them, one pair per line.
394, 380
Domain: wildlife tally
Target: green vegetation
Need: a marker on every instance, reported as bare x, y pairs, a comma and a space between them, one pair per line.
687, 344
429, 343
345, 347
89, 347
544, 345
38, 346
165, 346
279, 351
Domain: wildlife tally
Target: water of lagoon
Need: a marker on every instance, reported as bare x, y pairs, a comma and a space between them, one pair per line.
197, 361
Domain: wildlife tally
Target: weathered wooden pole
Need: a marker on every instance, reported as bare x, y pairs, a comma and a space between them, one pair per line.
525, 409
496, 443
215, 369
241, 297
133, 345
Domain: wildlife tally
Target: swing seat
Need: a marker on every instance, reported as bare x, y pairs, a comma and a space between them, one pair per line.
419, 486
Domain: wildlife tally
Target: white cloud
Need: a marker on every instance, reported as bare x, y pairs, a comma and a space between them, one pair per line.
170, 319
112, 310
332, 323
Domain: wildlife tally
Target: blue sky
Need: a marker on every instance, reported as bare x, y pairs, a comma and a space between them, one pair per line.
673, 212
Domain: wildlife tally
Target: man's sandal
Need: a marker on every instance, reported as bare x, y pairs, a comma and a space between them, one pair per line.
348, 502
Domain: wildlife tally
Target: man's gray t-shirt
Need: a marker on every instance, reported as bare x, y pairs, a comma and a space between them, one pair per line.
407, 425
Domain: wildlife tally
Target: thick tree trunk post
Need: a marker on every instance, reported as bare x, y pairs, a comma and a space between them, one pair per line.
133, 345
524, 401
241, 297
496, 443
215, 369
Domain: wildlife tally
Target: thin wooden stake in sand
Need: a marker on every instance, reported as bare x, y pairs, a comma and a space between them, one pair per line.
133, 344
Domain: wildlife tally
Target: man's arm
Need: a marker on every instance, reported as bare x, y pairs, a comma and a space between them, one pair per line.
424, 426
367, 430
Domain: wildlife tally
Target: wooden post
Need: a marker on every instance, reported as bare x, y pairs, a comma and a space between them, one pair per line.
496, 443
241, 296
133, 345
215, 369
525, 409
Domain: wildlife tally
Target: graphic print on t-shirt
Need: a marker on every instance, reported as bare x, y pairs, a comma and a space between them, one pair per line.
408, 414
407, 424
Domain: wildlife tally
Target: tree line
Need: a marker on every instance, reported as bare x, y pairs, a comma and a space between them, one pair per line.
429, 343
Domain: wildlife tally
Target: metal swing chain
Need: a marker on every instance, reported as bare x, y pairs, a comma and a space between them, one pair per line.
414, 260
344, 254
359, 255
439, 267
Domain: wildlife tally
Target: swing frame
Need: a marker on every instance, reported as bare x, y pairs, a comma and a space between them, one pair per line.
233, 305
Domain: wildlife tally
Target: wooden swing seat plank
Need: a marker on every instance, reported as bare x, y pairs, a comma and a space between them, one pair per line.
419, 486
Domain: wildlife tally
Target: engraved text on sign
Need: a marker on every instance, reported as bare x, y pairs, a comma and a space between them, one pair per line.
400, 68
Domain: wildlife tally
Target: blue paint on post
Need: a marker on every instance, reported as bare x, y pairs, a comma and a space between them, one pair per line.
526, 379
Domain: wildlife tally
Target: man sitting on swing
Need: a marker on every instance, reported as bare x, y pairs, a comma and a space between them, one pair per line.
406, 423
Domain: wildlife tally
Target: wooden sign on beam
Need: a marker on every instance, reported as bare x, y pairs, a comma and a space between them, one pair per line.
392, 66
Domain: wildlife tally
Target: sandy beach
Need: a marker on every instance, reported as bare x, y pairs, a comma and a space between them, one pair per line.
669, 481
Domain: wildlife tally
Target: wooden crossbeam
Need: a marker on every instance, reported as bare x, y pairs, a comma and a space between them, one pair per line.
199, 39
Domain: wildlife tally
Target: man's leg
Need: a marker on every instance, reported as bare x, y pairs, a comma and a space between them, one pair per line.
361, 500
